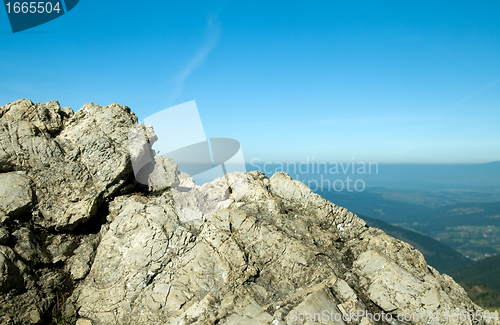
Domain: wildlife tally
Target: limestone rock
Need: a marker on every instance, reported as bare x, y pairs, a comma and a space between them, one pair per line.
24, 296
4, 236
193, 202
277, 252
83, 321
75, 160
16, 196
60, 247
78, 265
28, 247
163, 174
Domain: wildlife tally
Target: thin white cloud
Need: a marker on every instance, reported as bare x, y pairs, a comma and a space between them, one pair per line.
477, 92
211, 40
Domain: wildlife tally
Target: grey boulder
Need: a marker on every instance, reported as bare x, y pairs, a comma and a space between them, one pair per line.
16, 196
74, 160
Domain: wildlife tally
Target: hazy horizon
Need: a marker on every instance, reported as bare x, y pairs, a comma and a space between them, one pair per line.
422, 177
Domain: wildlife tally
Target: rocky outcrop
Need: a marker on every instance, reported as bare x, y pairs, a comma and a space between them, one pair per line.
74, 160
56, 168
277, 251
244, 249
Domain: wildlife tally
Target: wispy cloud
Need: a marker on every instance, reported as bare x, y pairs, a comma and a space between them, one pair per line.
477, 92
212, 35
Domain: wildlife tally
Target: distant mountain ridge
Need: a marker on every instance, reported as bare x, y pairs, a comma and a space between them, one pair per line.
467, 221
485, 272
481, 280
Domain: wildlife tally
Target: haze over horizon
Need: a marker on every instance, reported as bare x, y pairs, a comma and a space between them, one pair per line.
412, 82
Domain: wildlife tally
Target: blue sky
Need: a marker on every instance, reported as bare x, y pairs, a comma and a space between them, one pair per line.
385, 81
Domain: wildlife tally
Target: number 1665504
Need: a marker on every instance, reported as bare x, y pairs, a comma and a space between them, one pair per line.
32, 7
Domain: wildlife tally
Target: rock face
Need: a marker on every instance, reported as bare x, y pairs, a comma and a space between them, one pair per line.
266, 251
75, 160
15, 193
56, 168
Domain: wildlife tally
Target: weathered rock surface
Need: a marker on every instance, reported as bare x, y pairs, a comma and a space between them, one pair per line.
243, 249
78, 265
278, 251
74, 160
24, 296
56, 169
16, 196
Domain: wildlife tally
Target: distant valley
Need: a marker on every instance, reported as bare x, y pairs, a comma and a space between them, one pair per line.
438, 255
472, 228
456, 204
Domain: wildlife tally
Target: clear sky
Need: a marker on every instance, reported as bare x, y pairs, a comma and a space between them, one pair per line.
385, 81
